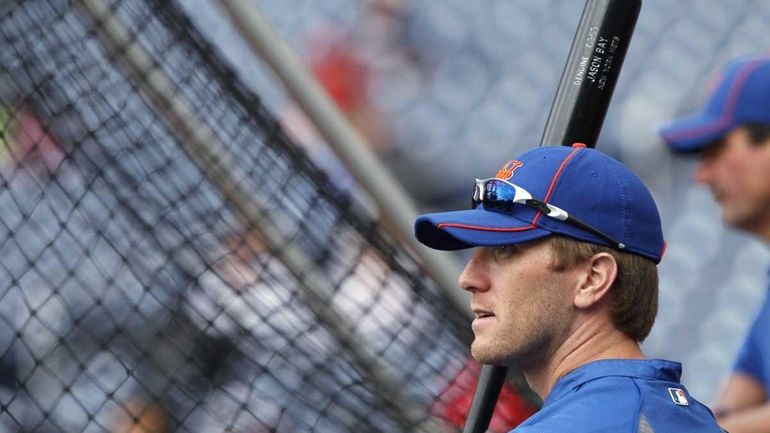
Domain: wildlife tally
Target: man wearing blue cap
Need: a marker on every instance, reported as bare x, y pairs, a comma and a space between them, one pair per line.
564, 286
731, 135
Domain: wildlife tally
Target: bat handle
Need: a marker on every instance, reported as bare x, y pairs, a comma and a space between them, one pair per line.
490, 383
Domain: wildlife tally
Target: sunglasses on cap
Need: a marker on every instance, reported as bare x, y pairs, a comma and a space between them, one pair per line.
500, 196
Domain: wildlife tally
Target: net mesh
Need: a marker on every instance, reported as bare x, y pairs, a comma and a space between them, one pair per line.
134, 293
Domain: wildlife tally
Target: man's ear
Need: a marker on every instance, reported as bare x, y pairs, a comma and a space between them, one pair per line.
598, 274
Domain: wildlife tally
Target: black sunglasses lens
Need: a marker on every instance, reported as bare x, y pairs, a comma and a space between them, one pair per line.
499, 195
496, 196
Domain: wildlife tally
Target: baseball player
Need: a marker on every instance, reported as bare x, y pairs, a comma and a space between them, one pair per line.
731, 135
564, 286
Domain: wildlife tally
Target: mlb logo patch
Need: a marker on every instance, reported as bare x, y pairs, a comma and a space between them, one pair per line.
678, 396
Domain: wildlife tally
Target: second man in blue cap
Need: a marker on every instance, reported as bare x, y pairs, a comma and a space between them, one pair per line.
731, 136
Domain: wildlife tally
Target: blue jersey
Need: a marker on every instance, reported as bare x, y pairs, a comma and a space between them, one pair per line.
754, 355
621, 396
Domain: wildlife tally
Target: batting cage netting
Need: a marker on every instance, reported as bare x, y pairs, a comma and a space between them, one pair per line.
171, 261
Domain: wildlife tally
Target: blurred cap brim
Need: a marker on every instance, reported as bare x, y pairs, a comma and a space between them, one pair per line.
692, 134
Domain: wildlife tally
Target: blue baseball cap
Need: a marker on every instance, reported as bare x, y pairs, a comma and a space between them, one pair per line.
585, 183
741, 95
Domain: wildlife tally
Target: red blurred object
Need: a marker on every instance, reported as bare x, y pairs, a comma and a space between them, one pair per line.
342, 73
29, 142
454, 402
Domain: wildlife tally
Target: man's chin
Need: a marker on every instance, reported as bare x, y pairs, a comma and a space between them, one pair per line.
526, 358
487, 355
739, 221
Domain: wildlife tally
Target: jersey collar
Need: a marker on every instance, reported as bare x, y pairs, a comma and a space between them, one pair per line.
656, 369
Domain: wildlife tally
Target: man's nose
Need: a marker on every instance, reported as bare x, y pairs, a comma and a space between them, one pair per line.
703, 172
474, 276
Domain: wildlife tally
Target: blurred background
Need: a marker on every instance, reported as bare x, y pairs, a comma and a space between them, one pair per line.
141, 292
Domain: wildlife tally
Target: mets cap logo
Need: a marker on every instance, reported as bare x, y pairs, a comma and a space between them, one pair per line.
506, 172
678, 396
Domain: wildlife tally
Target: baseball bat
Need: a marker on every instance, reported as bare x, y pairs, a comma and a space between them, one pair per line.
577, 113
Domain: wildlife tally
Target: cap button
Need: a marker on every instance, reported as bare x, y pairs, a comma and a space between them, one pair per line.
578, 145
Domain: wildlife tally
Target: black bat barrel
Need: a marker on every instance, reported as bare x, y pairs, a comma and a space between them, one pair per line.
591, 72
